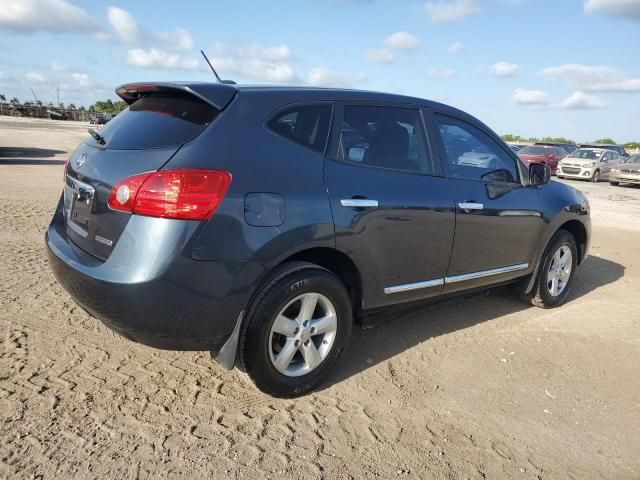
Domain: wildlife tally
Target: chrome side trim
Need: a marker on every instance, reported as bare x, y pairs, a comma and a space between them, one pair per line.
358, 203
485, 273
414, 286
455, 278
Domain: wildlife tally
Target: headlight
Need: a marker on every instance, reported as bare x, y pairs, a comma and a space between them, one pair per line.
590, 165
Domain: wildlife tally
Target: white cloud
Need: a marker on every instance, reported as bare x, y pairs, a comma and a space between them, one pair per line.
592, 78
57, 66
323, 77
626, 9
124, 24
530, 97
34, 77
81, 79
441, 72
29, 16
402, 41
129, 32
380, 55
447, 11
455, 48
504, 69
155, 58
580, 100
254, 62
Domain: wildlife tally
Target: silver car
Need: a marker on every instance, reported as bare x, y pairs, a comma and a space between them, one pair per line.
627, 171
588, 164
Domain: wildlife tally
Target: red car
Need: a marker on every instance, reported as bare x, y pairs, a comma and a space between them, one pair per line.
543, 154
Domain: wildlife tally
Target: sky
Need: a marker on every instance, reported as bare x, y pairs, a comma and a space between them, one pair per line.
539, 68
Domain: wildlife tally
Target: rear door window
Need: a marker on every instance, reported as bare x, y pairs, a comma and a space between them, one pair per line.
157, 121
306, 125
385, 137
472, 154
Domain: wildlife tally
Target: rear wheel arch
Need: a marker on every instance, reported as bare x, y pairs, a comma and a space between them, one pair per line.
337, 263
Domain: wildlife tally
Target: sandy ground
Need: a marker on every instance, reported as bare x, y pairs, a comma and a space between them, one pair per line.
483, 387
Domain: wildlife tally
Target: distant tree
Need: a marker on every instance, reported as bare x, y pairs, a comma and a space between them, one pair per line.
61, 106
14, 102
72, 106
607, 141
558, 140
513, 138
108, 106
2, 98
50, 104
632, 145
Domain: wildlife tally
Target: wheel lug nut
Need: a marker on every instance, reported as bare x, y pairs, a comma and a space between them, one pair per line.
313, 330
297, 343
305, 323
306, 343
324, 342
295, 332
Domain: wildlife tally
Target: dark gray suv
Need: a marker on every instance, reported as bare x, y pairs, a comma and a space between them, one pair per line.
259, 222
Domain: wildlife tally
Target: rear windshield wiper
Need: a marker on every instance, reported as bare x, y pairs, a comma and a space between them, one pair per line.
98, 138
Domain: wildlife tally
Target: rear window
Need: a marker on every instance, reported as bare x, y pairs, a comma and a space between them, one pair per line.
306, 125
533, 150
157, 121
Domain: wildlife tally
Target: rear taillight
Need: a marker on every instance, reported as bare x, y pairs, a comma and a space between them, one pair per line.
182, 194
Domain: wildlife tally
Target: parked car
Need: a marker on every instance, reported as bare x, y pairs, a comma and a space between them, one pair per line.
259, 222
619, 149
515, 148
100, 119
627, 171
568, 147
543, 154
593, 164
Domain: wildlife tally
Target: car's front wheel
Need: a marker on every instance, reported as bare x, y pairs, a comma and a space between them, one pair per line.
596, 176
295, 329
555, 272
614, 184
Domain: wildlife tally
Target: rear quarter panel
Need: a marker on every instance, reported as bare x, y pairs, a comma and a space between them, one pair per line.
259, 162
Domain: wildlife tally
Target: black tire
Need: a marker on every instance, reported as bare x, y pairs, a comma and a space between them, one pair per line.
595, 178
559, 177
281, 287
540, 295
614, 184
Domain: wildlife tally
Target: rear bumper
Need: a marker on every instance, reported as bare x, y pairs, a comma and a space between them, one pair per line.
150, 290
622, 177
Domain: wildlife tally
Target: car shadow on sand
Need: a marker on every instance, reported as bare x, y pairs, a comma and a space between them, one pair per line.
392, 337
29, 156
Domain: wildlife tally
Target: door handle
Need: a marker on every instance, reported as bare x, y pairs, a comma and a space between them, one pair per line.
359, 203
470, 206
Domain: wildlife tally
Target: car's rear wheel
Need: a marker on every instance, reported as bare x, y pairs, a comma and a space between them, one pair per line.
595, 178
614, 184
295, 329
555, 272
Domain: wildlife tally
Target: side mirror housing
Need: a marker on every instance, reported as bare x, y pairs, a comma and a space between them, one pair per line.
539, 174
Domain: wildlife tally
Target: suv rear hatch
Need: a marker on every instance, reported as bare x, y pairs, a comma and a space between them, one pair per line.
159, 120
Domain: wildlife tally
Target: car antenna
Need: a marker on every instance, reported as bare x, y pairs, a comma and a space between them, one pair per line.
211, 66
229, 82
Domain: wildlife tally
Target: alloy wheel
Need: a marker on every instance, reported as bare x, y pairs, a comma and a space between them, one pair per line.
559, 271
303, 334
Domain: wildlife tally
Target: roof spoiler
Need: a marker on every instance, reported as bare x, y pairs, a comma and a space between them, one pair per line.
217, 95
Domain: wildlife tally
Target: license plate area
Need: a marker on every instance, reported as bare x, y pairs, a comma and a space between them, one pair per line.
78, 205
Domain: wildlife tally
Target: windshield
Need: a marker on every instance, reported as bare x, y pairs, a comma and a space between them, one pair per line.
533, 150
585, 154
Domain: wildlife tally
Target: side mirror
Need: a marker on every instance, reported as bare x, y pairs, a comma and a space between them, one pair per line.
539, 174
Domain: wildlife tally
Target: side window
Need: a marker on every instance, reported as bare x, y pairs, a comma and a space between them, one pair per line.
607, 156
472, 154
560, 152
306, 125
385, 137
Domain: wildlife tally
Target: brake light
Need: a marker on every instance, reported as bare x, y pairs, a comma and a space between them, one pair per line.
181, 194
